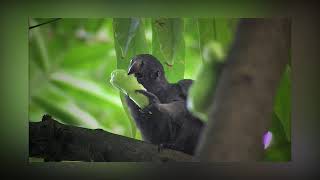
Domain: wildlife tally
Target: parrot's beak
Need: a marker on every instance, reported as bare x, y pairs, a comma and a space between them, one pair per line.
134, 68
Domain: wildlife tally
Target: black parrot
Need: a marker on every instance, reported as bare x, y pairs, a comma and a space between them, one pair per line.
166, 120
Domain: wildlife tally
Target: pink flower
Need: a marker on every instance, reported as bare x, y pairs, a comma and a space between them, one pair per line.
267, 137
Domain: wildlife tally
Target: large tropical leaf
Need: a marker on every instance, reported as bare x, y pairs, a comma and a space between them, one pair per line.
169, 47
91, 91
282, 106
129, 40
221, 30
280, 147
192, 53
85, 57
38, 48
207, 31
54, 102
225, 30
212, 45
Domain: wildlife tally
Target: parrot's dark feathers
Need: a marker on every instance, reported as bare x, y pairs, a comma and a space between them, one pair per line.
166, 120
184, 86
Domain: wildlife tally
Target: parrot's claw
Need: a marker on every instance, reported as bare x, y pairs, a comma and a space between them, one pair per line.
153, 100
146, 110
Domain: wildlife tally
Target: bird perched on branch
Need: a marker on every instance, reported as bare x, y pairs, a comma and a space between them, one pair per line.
166, 121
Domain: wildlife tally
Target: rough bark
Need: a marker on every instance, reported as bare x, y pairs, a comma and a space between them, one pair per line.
54, 141
242, 105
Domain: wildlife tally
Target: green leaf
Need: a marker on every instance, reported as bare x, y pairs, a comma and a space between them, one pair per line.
169, 47
148, 31
55, 103
85, 88
193, 57
221, 30
83, 56
224, 31
129, 40
101, 101
207, 32
215, 37
92, 25
35, 111
38, 49
212, 52
168, 32
201, 92
280, 147
68, 32
282, 105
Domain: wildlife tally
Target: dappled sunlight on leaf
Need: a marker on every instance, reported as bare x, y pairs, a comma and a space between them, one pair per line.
85, 86
168, 46
130, 40
55, 103
39, 49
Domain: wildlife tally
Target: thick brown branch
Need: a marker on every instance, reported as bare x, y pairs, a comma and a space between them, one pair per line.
243, 101
54, 141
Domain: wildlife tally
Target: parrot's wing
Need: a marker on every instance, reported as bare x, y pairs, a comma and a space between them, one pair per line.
184, 86
173, 109
174, 113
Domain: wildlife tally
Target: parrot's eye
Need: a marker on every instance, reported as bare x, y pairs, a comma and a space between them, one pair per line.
158, 73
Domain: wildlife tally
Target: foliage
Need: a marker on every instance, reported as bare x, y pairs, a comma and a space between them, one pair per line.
214, 38
71, 60
202, 90
282, 107
280, 147
129, 35
169, 47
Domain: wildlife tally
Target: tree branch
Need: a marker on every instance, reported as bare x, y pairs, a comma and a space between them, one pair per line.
54, 141
242, 106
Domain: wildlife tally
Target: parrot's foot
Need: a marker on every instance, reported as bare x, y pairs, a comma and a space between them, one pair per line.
153, 100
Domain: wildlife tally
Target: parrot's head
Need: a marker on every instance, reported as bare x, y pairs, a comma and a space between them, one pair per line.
148, 71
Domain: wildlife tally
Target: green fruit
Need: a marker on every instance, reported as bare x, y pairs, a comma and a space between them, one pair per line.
202, 90
128, 85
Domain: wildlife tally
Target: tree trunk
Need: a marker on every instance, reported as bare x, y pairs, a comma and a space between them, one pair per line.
242, 106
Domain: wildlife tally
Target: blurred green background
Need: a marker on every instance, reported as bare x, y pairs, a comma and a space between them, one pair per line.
70, 62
